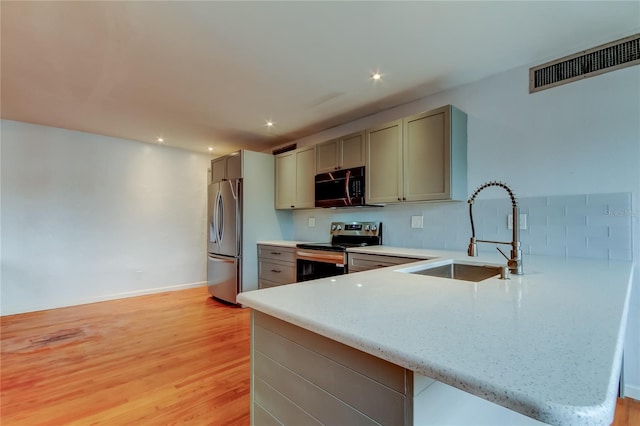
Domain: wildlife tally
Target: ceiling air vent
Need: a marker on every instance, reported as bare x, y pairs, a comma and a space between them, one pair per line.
284, 149
608, 57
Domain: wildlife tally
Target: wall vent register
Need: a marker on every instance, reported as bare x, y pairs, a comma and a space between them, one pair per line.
588, 63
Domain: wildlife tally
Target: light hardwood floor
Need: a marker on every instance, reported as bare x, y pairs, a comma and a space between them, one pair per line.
177, 357
169, 358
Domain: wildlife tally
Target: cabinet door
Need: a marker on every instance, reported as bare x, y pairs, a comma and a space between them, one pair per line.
352, 150
384, 163
427, 156
218, 169
285, 180
234, 166
327, 156
305, 178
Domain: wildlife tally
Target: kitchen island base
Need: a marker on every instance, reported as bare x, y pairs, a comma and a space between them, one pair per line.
299, 377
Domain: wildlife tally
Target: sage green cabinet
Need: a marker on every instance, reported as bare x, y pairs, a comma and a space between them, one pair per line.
276, 265
422, 157
383, 171
227, 167
295, 173
285, 180
342, 153
302, 378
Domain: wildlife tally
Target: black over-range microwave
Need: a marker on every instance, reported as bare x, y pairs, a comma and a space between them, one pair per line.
340, 188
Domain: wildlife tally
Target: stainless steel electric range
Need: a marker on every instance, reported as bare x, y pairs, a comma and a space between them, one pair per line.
319, 260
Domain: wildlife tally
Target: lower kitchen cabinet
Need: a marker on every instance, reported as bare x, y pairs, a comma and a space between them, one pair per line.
363, 262
302, 378
276, 265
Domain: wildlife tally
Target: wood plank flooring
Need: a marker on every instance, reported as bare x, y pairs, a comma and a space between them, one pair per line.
177, 357
169, 358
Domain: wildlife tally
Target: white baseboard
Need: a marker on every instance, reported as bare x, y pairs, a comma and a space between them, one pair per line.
125, 294
631, 391
113, 296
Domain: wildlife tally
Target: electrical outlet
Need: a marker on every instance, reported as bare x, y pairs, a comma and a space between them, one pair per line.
312, 222
523, 221
417, 221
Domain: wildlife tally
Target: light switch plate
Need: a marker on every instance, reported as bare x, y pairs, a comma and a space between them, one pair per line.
417, 221
312, 222
523, 221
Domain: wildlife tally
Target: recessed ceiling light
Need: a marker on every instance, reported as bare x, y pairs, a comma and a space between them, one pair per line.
159, 140
210, 149
376, 76
270, 123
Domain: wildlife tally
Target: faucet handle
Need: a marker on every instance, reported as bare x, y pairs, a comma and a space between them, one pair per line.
502, 253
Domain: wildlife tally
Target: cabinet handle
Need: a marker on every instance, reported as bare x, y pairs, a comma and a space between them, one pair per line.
398, 198
276, 252
404, 199
380, 266
293, 207
276, 271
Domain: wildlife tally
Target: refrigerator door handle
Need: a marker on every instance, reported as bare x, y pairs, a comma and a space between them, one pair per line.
233, 192
220, 211
216, 219
213, 232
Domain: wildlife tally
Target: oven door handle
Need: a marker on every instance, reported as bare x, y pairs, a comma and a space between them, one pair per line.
337, 258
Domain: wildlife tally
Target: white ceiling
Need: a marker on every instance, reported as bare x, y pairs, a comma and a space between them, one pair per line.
204, 74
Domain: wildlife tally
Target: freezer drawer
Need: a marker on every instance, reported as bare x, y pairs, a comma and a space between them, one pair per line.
223, 278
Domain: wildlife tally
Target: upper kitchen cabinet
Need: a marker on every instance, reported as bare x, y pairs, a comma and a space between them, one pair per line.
418, 158
295, 184
383, 168
342, 153
227, 167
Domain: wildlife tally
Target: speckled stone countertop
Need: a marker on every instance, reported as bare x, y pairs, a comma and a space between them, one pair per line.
547, 344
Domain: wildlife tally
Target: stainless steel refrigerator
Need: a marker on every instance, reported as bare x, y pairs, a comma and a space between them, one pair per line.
224, 263
241, 213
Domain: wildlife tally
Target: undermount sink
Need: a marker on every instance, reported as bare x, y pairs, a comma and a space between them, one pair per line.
460, 271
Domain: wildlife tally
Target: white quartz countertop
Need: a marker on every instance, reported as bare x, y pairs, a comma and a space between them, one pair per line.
547, 344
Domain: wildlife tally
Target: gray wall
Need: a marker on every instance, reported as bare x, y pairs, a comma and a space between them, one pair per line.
88, 217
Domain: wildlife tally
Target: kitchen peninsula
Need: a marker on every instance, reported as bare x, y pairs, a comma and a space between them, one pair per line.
381, 346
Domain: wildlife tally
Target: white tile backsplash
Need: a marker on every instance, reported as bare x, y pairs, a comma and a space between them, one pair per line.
596, 226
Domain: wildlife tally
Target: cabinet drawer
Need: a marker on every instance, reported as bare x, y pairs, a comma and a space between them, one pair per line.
275, 271
286, 254
262, 283
364, 262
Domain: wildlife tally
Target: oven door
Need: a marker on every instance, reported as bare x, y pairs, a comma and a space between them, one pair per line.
314, 264
340, 188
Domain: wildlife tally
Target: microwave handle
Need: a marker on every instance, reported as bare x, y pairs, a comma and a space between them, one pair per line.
346, 187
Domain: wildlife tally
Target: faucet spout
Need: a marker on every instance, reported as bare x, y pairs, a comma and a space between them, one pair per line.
514, 262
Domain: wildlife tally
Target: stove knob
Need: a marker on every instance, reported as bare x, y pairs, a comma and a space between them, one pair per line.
374, 228
367, 227
333, 227
339, 227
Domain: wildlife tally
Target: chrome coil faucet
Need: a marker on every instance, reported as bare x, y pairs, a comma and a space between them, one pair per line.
515, 261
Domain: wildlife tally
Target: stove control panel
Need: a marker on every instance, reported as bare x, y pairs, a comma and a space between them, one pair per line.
373, 229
